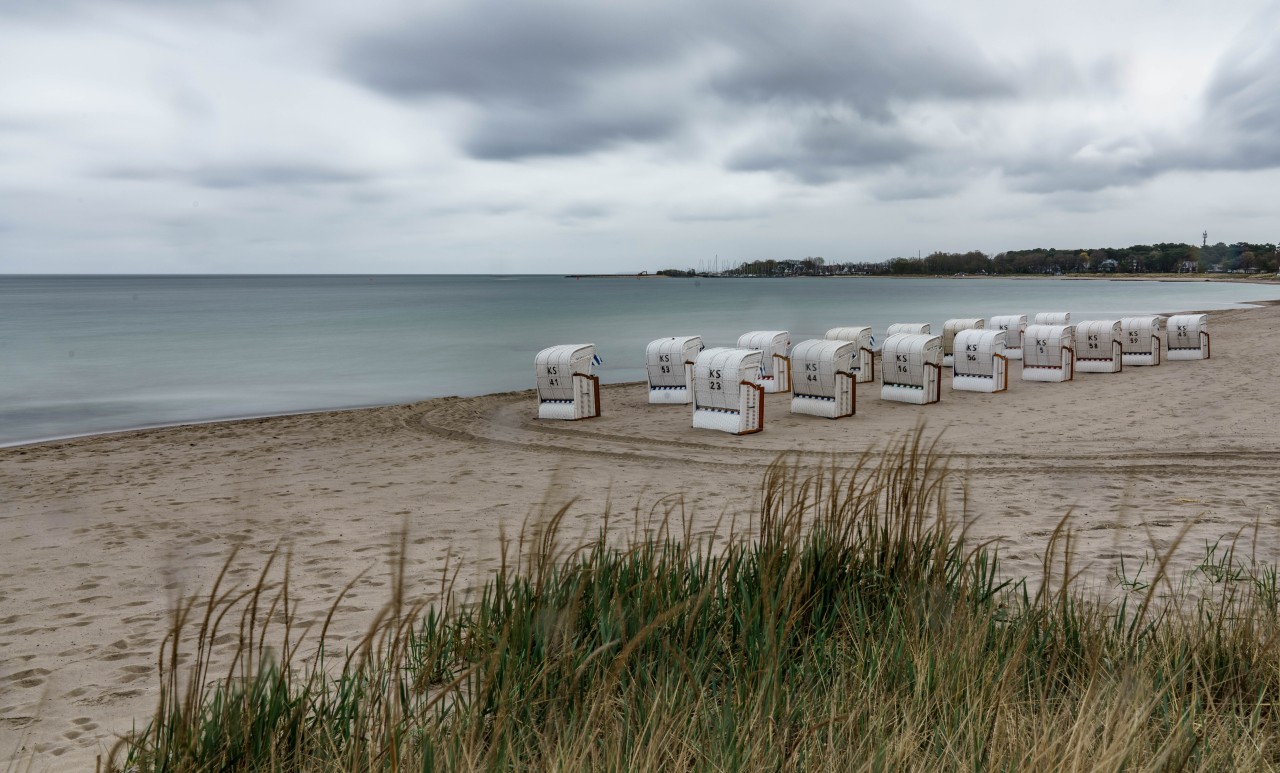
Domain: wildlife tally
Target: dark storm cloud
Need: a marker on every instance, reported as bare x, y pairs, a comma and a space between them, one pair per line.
553, 78
864, 62
534, 71
508, 133
844, 79
917, 187
824, 148
1076, 161
1235, 131
1242, 111
534, 53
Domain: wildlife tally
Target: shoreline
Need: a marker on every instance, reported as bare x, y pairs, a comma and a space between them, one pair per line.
125, 431
195, 423
1263, 279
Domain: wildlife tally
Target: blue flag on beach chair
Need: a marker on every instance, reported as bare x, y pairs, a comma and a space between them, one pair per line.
595, 360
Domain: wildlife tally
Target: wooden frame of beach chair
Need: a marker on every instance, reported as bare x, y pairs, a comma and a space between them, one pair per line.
566, 388
823, 367
1014, 326
669, 369
1098, 346
1059, 318
864, 369
1049, 353
950, 329
979, 364
775, 374
1183, 330
1141, 340
714, 407
912, 369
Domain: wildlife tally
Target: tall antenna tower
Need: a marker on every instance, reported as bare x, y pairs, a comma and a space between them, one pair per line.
1205, 237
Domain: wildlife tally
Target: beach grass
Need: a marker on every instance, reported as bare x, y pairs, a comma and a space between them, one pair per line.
847, 624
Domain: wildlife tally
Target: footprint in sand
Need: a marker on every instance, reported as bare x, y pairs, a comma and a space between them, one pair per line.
32, 677
134, 673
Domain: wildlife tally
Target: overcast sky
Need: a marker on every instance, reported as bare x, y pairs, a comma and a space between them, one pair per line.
508, 136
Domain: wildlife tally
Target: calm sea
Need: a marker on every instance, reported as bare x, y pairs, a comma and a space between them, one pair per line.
81, 355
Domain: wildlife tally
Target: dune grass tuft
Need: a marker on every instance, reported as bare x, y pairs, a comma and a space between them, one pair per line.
851, 626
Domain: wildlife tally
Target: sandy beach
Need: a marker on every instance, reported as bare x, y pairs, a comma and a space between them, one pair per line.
103, 534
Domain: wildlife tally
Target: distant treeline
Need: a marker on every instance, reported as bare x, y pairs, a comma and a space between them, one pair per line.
1167, 258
